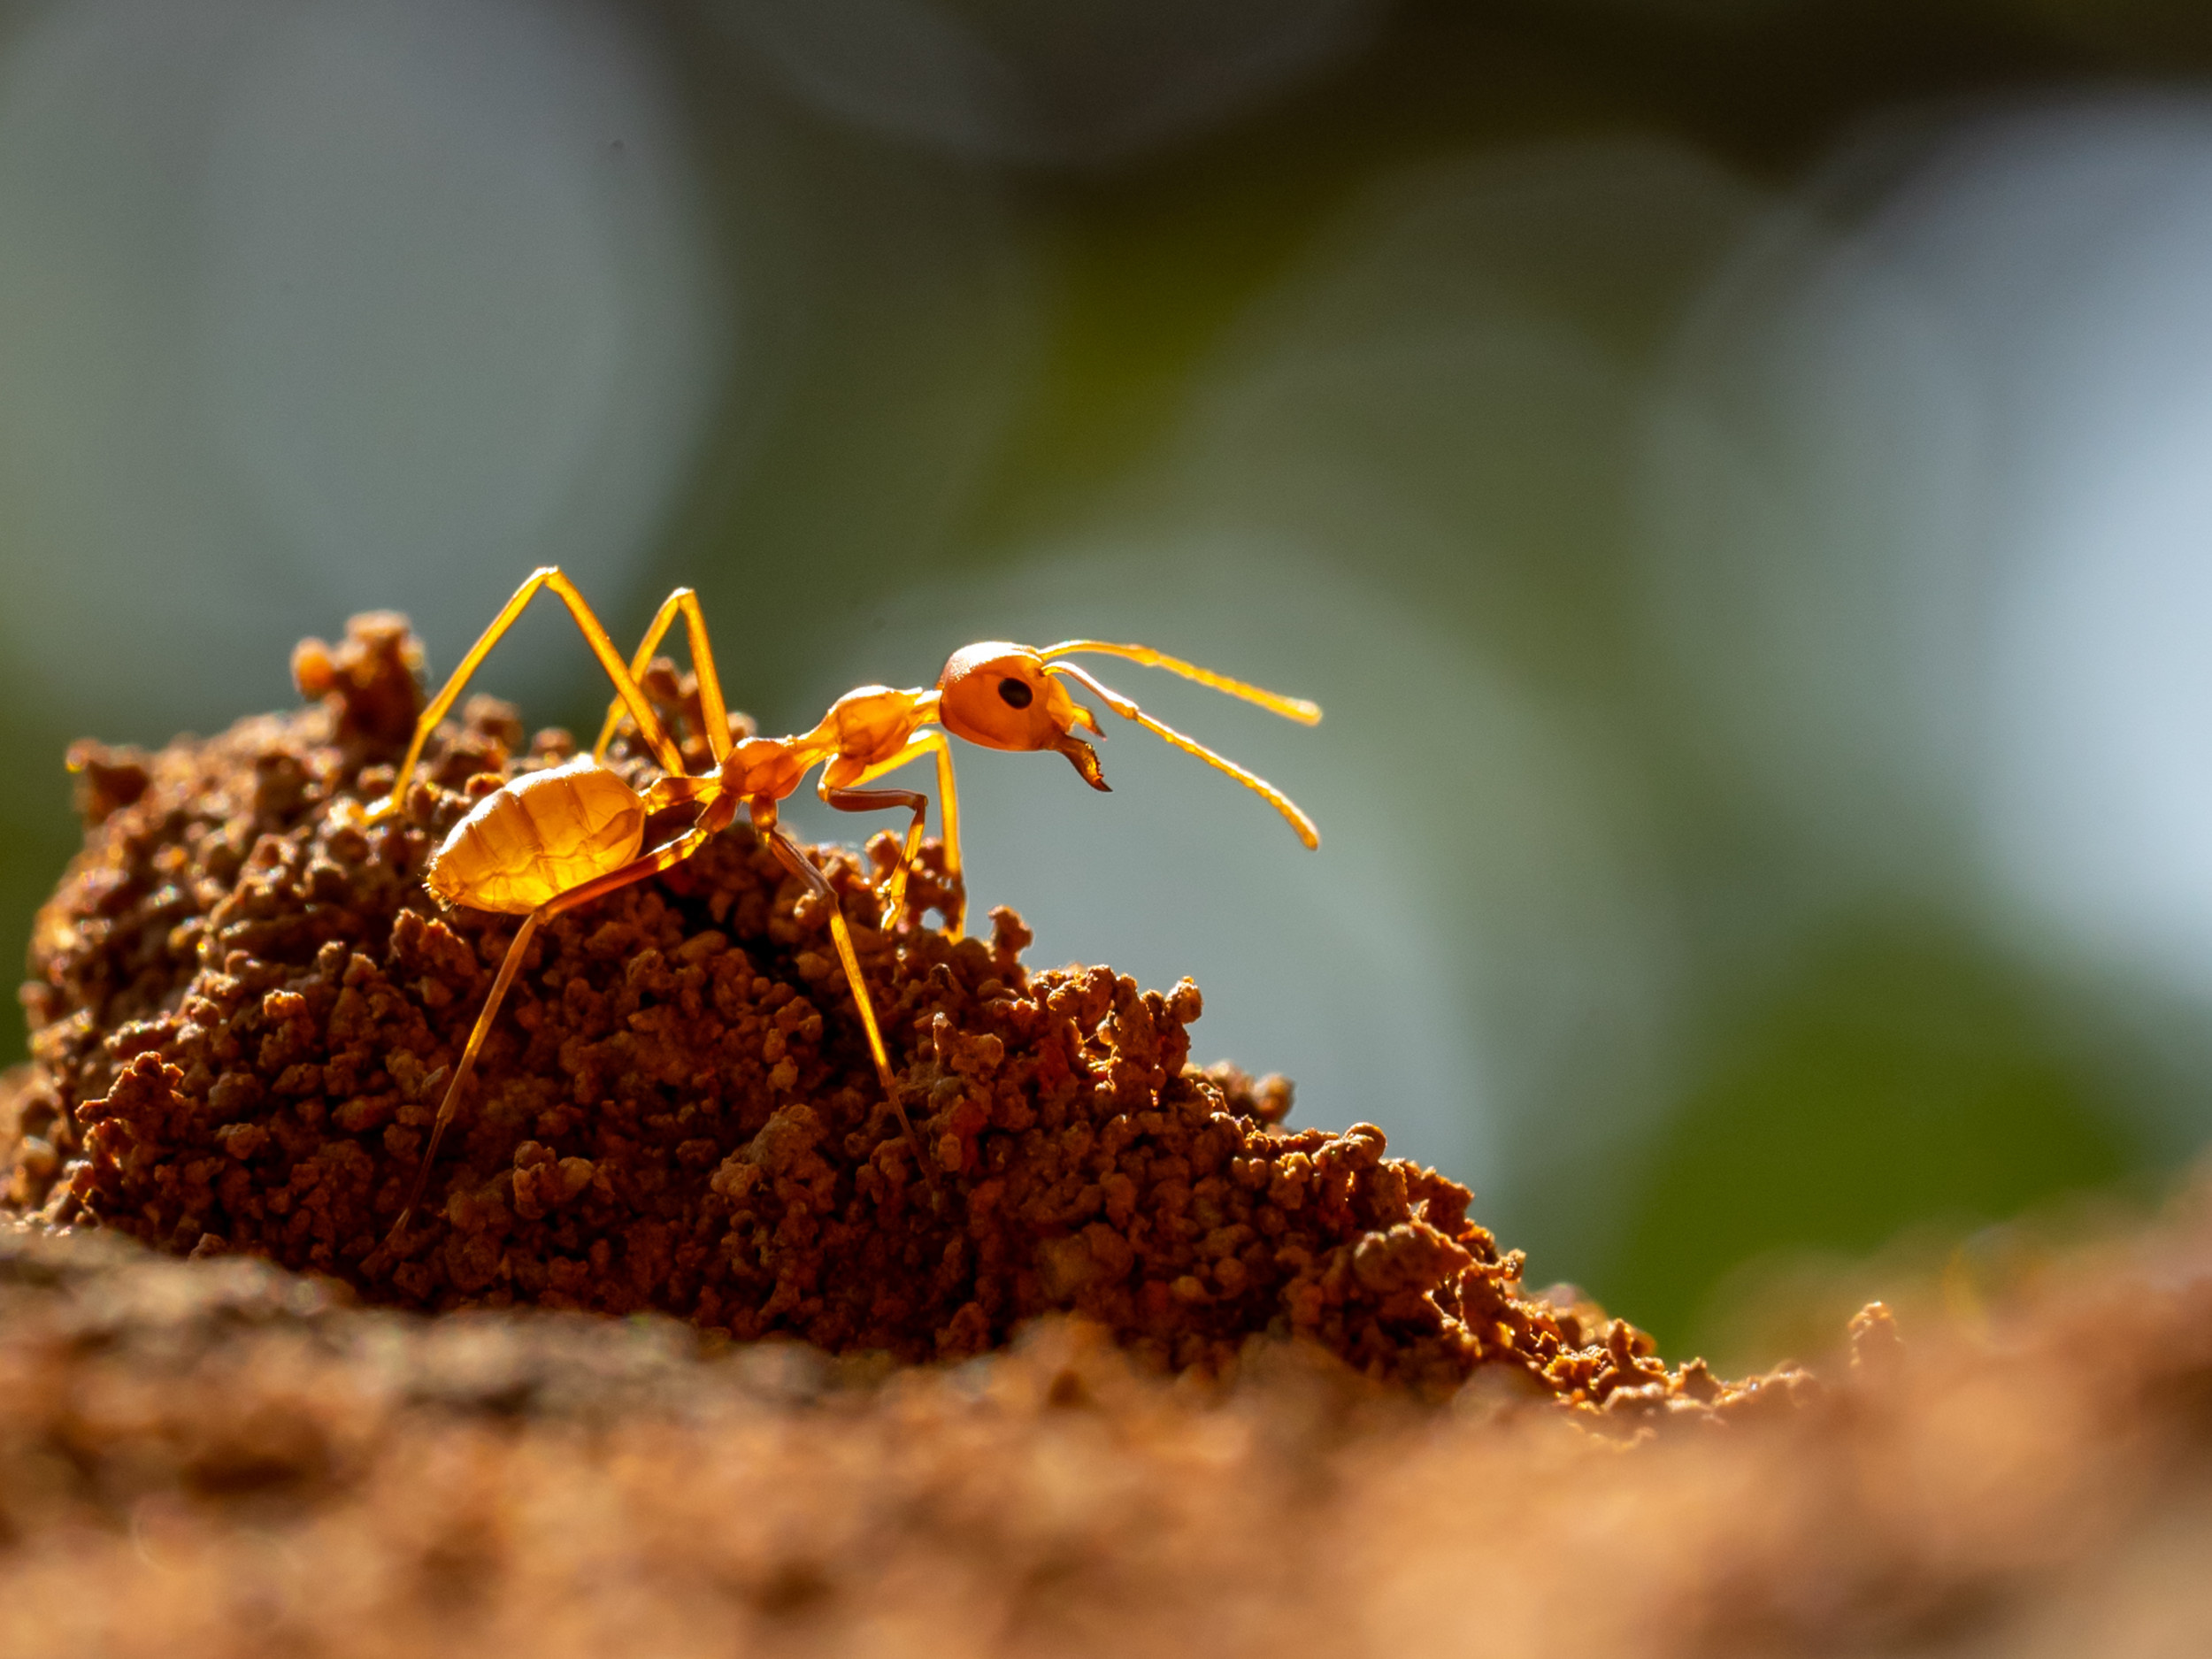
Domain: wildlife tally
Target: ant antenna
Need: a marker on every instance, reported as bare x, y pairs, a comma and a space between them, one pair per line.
1296, 708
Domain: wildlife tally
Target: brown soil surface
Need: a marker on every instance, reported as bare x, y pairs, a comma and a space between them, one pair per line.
245, 1006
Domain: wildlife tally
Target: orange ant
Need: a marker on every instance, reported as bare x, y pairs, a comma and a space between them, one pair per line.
552, 840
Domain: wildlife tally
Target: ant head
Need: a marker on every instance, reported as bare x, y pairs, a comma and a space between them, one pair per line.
1003, 696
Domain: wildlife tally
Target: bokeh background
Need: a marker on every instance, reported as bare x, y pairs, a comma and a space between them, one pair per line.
1737, 473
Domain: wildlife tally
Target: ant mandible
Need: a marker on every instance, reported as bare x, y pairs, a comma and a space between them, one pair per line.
552, 840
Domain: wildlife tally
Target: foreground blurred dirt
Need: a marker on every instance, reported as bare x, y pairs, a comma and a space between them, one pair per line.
217, 1458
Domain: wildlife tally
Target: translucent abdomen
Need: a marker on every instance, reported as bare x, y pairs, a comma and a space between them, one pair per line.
542, 834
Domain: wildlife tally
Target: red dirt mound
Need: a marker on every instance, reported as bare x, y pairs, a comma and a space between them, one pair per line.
245, 1005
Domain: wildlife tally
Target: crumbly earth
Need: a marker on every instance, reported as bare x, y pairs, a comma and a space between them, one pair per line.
202, 1458
245, 1007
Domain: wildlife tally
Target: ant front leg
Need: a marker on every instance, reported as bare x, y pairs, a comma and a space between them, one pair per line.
893, 892
834, 785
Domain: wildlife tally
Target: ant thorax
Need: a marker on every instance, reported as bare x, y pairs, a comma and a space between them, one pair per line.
871, 723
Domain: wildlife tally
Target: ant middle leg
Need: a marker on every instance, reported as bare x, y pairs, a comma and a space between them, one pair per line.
787, 852
595, 633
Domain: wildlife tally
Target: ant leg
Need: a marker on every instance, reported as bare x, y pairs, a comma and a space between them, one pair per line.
508, 965
893, 895
711, 822
594, 635
949, 810
683, 602
799, 864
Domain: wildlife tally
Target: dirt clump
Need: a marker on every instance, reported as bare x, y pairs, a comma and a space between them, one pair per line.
245, 1006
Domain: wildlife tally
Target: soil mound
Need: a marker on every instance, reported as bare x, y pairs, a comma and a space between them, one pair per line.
245, 1006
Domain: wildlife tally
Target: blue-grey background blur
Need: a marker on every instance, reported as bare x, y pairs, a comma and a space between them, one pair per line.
1738, 475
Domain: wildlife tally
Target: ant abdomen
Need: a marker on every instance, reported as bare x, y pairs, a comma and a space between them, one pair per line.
539, 836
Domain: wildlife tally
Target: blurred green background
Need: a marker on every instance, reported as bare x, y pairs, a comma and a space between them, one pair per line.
1735, 472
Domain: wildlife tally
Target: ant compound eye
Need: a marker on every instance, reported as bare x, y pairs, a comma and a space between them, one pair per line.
1014, 694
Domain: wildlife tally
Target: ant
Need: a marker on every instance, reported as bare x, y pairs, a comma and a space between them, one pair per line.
552, 840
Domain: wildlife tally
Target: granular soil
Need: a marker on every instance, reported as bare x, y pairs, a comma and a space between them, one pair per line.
245, 1006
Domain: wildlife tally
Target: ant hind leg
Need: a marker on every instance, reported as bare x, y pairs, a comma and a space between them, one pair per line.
594, 635
508, 966
714, 819
682, 602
